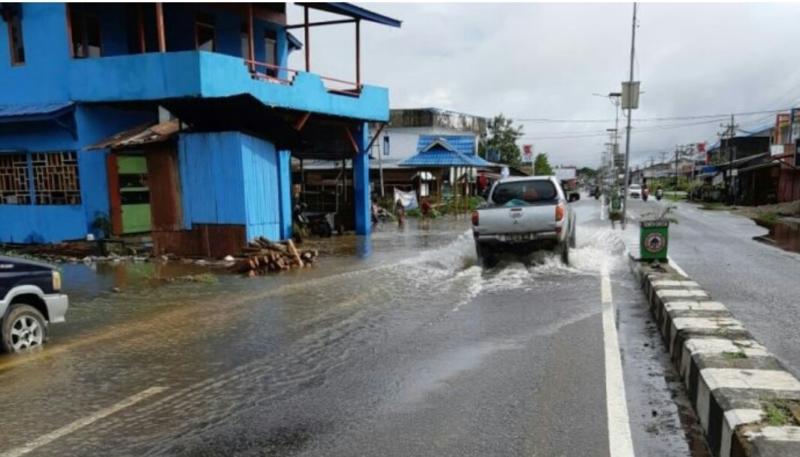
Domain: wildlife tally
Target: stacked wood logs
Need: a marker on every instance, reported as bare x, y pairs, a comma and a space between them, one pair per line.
262, 256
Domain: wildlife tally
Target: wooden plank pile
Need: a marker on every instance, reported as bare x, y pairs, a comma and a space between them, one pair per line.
262, 256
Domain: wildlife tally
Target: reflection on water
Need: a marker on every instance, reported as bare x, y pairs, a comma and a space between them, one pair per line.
785, 235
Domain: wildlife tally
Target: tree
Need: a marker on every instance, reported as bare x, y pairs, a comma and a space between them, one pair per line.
587, 173
541, 165
502, 140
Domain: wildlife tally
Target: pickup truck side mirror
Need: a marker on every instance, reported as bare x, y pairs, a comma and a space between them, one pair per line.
574, 197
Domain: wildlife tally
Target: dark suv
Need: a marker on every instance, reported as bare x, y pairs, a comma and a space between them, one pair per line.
29, 302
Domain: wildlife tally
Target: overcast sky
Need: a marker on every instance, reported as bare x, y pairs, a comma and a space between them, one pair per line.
546, 61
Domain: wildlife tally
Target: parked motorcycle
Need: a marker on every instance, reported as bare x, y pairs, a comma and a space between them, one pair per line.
659, 194
316, 224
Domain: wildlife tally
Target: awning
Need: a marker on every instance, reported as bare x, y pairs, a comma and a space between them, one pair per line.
34, 112
759, 166
356, 12
138, 136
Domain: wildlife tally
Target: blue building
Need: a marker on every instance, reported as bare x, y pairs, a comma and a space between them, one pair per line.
175, 119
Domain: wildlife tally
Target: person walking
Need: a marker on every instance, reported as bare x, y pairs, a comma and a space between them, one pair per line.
400, 212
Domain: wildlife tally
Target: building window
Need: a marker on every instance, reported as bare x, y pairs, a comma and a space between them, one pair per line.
55, 178
15, 40
14, 183
85, 29
271, 52
204, 33
386, 145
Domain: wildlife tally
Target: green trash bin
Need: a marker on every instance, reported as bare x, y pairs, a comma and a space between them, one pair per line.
654, 240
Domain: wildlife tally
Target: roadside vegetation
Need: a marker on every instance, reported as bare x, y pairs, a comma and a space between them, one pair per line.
780, 413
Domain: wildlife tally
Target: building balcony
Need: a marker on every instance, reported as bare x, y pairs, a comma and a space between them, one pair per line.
198, 74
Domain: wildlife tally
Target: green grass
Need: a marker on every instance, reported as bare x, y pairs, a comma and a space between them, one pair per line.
769, 217
778, 414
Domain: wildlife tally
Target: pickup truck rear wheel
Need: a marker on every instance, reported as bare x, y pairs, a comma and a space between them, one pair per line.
572, 238
23, 328
565, 253
486, 258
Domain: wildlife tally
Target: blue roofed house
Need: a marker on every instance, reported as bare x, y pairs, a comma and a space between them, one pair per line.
178, 120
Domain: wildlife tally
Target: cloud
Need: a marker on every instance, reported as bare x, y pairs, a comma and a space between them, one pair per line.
546, 60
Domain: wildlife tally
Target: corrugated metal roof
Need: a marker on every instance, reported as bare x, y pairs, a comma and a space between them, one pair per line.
444, 158
357, 12
143, 134
463, 144
35, 111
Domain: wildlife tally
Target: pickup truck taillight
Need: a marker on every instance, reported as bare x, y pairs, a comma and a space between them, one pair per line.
560, 212
56, 281
475, 218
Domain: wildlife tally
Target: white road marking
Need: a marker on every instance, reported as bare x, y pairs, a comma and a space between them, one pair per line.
80, 423
677, 267
620, 443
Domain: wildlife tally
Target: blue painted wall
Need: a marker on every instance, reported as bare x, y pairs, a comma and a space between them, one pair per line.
53, 223
262, 188
41, 78
50, 75
230, 178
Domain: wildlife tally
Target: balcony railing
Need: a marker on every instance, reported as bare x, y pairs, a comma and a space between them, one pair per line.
268, 72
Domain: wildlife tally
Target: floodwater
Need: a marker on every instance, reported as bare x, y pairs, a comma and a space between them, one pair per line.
785, 235
385, 347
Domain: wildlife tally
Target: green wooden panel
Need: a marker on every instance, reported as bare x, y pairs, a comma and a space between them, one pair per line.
132, 165
136, 218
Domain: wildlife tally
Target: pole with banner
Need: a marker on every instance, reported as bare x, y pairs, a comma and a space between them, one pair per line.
527, 156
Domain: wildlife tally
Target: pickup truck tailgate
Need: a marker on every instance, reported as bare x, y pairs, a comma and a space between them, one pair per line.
517, 219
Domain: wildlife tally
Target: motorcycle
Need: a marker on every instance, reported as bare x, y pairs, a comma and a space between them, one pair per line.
645, 194
659, 194
317, 224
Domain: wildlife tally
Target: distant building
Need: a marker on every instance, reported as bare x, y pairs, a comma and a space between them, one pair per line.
408, 133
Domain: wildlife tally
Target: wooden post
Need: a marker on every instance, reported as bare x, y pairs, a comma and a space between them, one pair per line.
69, 31
140, 32
251, 53
358, 55
307, 39
162, 40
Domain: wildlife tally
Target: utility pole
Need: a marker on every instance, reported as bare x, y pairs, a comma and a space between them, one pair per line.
730, 133
628, 128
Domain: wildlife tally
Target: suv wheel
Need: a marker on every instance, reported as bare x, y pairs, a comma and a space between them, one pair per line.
565, 253
23, 328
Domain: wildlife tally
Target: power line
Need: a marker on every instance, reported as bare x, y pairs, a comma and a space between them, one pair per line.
597, 133
651, 119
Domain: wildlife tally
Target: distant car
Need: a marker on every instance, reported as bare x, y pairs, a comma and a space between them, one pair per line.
30, 300
635, 191
523, 215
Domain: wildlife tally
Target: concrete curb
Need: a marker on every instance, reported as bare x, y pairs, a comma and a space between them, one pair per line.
729, 376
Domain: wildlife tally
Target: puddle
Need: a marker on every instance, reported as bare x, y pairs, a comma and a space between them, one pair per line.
785, 235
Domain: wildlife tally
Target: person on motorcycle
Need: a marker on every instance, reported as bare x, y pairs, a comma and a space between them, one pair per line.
659, 193
645, 193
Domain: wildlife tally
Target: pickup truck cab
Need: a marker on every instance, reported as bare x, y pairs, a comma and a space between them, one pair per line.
30, 300
523, 215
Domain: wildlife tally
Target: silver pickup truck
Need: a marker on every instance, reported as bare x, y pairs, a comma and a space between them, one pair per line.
523, 215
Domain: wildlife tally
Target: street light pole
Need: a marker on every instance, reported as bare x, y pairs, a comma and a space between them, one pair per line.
628, 128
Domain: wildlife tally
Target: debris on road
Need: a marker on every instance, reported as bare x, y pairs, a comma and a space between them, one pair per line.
264, 256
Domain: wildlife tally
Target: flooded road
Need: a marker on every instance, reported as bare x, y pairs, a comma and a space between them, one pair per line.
395, 345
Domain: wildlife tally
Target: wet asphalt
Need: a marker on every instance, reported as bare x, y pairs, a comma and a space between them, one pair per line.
758, 282
395, 346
